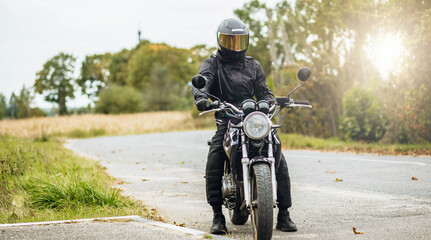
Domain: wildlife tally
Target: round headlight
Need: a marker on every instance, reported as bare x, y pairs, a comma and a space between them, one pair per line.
257, 125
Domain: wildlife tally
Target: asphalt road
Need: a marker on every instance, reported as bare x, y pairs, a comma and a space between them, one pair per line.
377, 195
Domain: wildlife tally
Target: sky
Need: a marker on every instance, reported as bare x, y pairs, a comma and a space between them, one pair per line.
33, 31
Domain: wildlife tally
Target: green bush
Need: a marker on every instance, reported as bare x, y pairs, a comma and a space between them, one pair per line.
37, 112
79, 133
3, 106
363, 117
119, 99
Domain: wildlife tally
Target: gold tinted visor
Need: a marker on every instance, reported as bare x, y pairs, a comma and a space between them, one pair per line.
233, 42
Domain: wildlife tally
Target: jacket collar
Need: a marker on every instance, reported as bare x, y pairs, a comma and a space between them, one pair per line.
231, 63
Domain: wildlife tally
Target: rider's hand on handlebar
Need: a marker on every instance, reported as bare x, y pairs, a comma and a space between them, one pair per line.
203, 104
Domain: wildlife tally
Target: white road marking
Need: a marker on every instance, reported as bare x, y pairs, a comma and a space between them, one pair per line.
65, 221
133, 217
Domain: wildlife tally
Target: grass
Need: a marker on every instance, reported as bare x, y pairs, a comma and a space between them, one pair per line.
297, 141
93, 125
42, 181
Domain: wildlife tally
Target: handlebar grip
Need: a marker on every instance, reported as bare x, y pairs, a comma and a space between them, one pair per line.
304, 102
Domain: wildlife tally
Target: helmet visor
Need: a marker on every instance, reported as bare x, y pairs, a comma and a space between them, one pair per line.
233, 42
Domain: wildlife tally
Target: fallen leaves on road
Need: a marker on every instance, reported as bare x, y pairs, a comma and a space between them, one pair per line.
356, 232
180, 224
330, 172
121, 182
155, 216
338, 180
144, 180
184, 182
181, 162
415, 178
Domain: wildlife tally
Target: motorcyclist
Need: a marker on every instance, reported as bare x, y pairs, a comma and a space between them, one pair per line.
234, 77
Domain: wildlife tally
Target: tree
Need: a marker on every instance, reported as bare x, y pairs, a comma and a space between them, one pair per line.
119, 66
118, 69
12, 109
176, 60
199, 53
319, 34
363, 117
55, 80
3, 106
161, 95
94, 73
258, 47
407, 94
119, 99
23, 103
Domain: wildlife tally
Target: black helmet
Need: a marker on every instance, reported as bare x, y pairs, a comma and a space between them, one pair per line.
232, 38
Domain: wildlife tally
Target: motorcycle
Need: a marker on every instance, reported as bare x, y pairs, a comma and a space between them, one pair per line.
253, 148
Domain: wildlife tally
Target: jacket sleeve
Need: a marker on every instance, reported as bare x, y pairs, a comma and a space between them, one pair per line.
261, 89
208, 69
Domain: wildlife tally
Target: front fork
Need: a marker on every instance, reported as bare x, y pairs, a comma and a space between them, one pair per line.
271, 160
245, 171
245, 161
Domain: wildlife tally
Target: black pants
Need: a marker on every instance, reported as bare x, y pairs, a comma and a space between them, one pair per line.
214, 173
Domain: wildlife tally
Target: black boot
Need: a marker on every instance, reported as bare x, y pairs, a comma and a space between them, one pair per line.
284, 223
219, 224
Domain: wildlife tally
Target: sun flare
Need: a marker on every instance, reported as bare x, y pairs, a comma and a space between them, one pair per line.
386, 53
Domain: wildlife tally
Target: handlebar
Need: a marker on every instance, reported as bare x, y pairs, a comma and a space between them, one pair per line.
217, 106
290, 103
223, 106
302, 102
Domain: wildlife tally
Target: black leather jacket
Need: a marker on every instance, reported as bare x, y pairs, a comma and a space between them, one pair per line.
233, 82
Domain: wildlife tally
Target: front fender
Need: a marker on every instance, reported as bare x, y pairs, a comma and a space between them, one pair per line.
258, 159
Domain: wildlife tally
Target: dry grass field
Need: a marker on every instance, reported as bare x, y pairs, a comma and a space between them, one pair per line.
92, 124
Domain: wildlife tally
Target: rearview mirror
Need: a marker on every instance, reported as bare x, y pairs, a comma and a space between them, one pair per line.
304, 73
199, 81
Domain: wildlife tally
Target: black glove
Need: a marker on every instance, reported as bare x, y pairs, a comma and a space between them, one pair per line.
202, 104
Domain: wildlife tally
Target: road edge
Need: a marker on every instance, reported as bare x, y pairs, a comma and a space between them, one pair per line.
196, 234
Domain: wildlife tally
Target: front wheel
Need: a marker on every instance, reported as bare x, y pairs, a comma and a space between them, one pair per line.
262, 203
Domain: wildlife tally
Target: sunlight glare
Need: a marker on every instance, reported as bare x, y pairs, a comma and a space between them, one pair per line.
385, 53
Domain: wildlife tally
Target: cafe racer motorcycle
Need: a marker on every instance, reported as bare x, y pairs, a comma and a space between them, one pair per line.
253, 149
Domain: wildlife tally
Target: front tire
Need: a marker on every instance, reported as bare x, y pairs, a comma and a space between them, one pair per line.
262, 202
